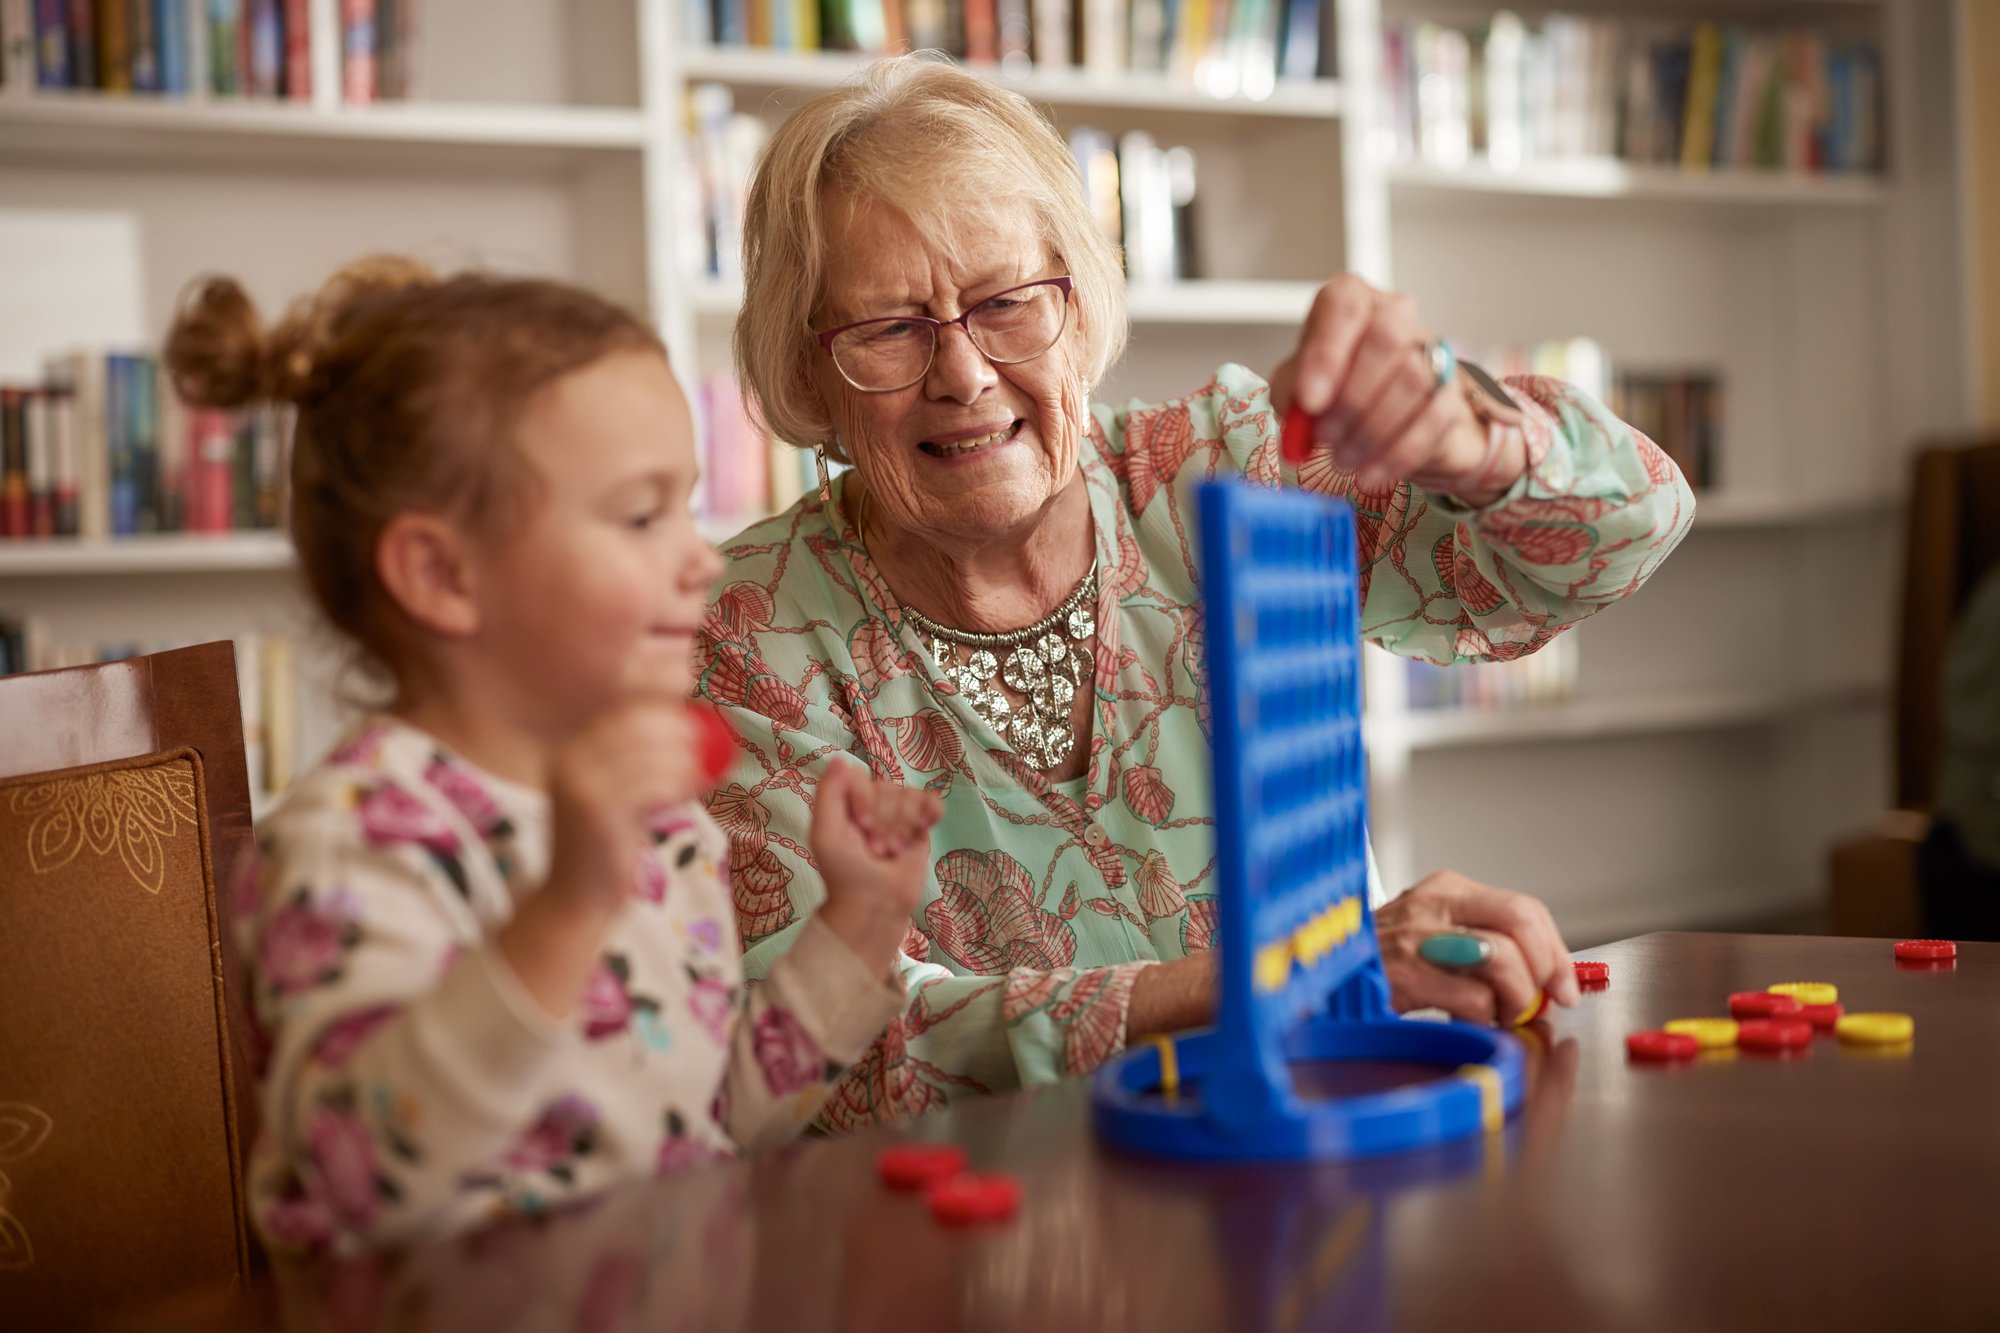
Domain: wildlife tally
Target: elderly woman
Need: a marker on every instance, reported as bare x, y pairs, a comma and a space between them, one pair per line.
1000, 601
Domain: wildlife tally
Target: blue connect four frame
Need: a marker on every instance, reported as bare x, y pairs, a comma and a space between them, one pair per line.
1302, 976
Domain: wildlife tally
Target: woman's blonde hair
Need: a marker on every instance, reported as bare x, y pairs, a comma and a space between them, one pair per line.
923, 137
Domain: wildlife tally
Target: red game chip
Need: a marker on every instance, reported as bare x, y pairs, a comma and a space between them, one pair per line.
1925, 951
1821, 1016
1774, 1034
1657, 1045
914, 1166
968, 1199
1763, 1004
715, 741
1592, 973
1296, 441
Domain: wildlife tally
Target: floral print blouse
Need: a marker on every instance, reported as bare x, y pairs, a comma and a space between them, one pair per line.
1045, 899
411, 1087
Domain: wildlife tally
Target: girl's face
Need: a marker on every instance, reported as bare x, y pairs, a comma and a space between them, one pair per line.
596, 594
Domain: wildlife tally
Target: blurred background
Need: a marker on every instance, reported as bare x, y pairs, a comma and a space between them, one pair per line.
1753, 226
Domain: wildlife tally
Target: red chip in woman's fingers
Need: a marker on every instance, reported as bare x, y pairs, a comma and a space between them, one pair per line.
1296, 442
915, 1166
715, 741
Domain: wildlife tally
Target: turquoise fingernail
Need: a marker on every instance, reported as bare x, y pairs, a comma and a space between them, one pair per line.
1454, 949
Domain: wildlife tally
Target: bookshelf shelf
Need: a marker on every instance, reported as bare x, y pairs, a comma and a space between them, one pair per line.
1610, 179
1591, 719
69, 126
175, 553
195, 553
761, 70
1224, 303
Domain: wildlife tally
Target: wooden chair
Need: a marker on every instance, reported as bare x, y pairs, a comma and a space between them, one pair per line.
125, 1073
1953, 541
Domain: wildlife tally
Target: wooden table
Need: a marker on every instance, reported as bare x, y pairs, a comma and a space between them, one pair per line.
1833, 1190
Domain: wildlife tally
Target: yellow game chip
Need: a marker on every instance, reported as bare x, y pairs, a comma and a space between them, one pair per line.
1708, 1033
1875, 1029
1807, 992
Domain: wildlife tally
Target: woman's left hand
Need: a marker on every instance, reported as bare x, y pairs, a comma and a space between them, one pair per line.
1528, 953
1361, 371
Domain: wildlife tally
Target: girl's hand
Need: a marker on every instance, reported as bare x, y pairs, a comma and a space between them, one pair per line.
606, 785
871, 840
1362, 373
1529, 956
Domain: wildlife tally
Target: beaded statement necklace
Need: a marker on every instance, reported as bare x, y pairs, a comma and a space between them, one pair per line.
1046, 663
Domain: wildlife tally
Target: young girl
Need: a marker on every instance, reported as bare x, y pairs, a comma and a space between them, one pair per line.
491, 935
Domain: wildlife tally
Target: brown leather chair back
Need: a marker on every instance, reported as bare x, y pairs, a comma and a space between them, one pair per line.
1954, 539
125, 1077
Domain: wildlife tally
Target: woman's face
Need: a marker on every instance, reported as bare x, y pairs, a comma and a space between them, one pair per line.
974, 451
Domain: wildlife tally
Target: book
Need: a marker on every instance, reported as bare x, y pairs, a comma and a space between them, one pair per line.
262, 48
357, 51
13, 462
225, 45
143, 50
17, 45
52, 44
295, 32
114, 46
82, 33
63, 456
41, 466
170, 26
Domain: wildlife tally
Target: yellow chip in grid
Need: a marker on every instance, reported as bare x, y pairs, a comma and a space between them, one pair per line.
1274, 965
1708, 1033
1875, 1029
1807, 992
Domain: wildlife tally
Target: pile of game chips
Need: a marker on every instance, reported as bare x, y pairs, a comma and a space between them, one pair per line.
1783, 1019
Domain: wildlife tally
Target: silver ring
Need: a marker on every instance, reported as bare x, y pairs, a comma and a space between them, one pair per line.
1442, 359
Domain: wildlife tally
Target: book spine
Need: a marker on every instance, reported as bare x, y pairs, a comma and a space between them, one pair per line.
1704, 77
358, 83
17, 45
225, 47
214, 453
52, 53
982, 31
62, 450
82, 31
41, 466
237, 463
391, 74
170, 455
121, 470
13, 463
194, 33
263, 48
295, 29
170, 23
144, 35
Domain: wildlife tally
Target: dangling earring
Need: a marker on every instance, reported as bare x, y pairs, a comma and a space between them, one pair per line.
825, 482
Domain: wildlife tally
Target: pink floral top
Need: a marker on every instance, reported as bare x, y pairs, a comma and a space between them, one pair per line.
411, 1087
1045, 900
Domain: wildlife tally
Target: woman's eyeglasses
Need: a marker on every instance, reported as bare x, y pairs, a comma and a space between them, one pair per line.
1019, 324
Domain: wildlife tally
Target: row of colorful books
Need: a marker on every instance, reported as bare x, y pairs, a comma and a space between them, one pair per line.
1682, 411
201, 48
1227, 48
1544, 677
744, 473
1697, 97
104, 448
266, 678
1142, 196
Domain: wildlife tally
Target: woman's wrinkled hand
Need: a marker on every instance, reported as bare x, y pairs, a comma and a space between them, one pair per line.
1529, 956
1361, 372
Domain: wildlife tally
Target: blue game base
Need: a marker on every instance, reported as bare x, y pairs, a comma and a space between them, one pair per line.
1132, 1113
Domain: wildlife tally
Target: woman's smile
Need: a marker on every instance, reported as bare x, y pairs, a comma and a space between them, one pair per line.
978, 439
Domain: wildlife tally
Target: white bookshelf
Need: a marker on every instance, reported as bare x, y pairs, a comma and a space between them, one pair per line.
1610, 179
1729, 718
